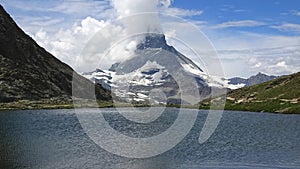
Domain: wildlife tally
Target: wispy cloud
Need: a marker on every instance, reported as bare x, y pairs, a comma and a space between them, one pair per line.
246, 53
35, 6
288, 27
182, 12
71, 8
295, 12
275, 61
241, 23
42, 21
232, 8
75, 7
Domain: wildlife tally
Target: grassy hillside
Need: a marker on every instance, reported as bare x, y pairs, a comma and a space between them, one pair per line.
281, 95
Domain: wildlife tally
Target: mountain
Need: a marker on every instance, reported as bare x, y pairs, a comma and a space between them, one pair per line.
253, 80
158, 70
29, 72
281, 95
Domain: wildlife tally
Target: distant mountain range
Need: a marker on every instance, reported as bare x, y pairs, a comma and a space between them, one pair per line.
29, 72
253, 80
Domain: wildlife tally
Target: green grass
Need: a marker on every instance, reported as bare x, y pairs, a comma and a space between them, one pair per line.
46, 104
281, 95
273, 106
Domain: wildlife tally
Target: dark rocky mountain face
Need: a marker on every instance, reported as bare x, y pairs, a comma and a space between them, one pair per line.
259, 78
29, 72
253, 80
153, 41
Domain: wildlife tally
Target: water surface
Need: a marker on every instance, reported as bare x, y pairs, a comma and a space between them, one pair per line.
55, 139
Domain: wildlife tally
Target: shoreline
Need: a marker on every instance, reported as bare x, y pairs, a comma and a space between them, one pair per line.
40, 105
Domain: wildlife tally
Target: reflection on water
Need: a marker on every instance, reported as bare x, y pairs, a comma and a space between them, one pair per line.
54, 139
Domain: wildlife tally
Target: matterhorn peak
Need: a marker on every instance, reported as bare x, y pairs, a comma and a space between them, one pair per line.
153, 40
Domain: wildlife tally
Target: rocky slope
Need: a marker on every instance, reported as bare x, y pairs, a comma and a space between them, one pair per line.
281, 95
253, 80
29, 72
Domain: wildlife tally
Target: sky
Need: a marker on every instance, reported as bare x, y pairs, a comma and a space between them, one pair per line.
250, 36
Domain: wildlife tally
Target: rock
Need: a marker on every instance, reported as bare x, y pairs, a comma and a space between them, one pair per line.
28, 71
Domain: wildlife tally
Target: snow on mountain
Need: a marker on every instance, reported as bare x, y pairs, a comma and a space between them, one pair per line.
103, 77
151, 74
158, 72
213, 81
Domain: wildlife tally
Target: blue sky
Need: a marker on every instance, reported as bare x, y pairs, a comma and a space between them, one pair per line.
270, 12
250, 36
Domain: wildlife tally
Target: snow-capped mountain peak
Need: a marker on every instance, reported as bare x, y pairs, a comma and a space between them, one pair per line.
157, 67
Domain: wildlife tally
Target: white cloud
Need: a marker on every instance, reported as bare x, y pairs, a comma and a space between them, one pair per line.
166, 3
275, 61
181, 12
242, 23
171, 33
82, 7
295, 12
138, 16
282, 67
244, 53
44, 21
281, 64
52, 16
288, 27
232, 8
67, 44
32, 25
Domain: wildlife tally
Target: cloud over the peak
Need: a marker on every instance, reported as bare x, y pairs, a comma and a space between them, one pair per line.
138, 16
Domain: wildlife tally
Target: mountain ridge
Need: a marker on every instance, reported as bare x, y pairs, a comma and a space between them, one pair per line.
29, 72
252, 80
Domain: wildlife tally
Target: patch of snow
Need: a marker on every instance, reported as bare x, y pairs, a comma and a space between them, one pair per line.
190, 68
142, 95
138, 99
212, 81
137, 77
237, 86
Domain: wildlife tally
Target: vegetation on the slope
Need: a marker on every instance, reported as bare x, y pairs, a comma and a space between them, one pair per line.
54, 103
281, 95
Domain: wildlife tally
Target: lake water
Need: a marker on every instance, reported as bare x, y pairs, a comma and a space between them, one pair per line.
51, 139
